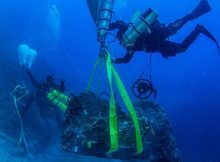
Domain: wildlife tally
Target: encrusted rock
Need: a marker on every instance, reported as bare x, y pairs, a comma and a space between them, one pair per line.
86, 122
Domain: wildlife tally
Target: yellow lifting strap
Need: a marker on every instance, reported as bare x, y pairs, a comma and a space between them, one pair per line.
92, 75
99, 61
113, 116
131, 110
113, 126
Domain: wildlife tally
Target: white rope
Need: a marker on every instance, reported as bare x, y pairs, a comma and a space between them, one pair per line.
22, 135
74, 65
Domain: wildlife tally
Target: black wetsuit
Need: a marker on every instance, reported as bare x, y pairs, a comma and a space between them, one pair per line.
157, 40
47, 109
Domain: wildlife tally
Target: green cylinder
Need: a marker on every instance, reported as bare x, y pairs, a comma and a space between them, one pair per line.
58, 99
60, 96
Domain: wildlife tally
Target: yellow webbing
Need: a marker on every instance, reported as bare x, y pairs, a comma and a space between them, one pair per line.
100, 79
92, 75
131, 110
113, 126
113, 117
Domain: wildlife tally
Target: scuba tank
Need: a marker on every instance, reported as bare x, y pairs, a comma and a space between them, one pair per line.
136, 14
104, 20
138, 27
59, 99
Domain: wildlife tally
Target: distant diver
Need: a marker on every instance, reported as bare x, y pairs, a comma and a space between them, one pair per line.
149, 35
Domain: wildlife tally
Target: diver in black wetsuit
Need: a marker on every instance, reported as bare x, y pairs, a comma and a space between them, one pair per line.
40, 96
157, 39
47, 109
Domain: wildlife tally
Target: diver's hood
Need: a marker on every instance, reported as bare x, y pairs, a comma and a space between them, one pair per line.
50, 78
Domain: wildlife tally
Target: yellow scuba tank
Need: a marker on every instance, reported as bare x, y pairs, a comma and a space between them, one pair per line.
59, 99
138, 27
60, 96
104, 20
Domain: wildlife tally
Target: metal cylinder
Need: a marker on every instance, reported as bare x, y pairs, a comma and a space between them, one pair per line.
135, 30
104, 19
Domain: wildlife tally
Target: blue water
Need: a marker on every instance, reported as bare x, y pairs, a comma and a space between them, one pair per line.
188, 85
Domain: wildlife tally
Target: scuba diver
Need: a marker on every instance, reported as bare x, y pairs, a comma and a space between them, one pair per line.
149, 35
47, 110
40, 96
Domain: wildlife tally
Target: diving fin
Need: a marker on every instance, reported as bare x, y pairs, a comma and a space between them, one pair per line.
202, 8
203, 30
